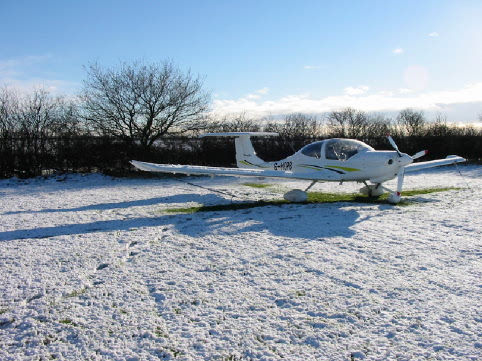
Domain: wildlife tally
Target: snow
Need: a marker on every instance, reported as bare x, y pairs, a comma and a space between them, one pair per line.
94, 268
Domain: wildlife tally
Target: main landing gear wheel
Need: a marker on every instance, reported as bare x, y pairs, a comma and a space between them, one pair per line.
372, 190
296, 195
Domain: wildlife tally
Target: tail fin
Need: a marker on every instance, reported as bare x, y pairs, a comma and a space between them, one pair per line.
245, 154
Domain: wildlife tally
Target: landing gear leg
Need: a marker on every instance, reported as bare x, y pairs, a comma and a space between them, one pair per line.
311, 185
397, 196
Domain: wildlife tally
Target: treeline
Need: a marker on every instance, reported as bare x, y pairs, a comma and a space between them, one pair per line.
412, 130
41, 134
154, 112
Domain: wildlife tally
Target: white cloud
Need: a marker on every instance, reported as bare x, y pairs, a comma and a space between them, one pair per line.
362, 89
405, 90
397, 51
381, 101
311, 67
18, 73
416, 77
263, 91
16, 66
257, 94
52, 85
386, 93
433, 34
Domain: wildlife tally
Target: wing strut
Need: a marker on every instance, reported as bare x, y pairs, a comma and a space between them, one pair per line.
311, 185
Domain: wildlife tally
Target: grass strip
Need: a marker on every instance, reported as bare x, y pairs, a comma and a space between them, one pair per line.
313, 198
257, 185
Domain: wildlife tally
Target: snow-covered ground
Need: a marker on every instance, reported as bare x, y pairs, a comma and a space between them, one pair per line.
94, 268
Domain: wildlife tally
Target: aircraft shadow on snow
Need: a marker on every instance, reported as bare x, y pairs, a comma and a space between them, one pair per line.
290, 220
180, 198
293, 220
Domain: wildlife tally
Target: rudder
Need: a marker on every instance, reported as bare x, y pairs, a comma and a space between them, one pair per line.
245, 154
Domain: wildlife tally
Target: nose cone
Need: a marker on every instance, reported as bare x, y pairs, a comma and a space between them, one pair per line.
404, 160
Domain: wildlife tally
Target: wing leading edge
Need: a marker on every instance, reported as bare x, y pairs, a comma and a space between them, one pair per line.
451, 159
191, 169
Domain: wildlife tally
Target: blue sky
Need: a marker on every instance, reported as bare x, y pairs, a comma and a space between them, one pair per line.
263, 57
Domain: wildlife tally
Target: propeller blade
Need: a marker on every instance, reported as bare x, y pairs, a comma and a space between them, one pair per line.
419, 154
394, 145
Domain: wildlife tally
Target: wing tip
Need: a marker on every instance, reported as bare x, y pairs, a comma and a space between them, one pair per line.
456, 158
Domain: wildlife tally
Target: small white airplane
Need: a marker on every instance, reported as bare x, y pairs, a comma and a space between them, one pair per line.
330, 160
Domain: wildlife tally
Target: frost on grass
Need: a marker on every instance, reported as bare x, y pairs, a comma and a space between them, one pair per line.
95, 268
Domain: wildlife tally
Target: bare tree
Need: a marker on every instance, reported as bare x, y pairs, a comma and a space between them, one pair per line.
378, 126
239, 123
8, 107
143, 102
349, 123
439, 127
412, 122
30, 127
298, 125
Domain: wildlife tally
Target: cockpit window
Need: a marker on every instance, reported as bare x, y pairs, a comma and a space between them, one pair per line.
313, 149
344, 149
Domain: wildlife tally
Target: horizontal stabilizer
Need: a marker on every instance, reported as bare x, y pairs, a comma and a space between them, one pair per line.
238, 134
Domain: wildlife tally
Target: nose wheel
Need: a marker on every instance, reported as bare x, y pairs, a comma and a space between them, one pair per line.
395, 198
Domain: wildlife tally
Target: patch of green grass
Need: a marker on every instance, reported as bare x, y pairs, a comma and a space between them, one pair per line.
418, 192
256, 185
313, 198
300, 293
159, 332
319, 197
68, 321
76, 293
226, 207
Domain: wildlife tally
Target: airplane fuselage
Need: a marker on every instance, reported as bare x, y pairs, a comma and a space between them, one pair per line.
338, 160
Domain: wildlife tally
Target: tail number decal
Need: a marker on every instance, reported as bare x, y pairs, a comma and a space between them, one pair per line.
283, 166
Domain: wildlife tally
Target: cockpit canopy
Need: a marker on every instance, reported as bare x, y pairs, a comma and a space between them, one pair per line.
335, 149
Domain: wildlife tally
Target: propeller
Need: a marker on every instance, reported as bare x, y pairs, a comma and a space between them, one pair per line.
419, 154
394, 145
404, 160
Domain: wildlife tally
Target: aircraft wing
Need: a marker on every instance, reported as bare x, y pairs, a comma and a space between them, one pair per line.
191, 169
451, 159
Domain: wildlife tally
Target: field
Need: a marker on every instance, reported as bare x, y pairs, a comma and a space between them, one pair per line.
100, 268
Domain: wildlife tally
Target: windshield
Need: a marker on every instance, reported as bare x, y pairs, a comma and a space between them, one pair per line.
313, 149
344, 149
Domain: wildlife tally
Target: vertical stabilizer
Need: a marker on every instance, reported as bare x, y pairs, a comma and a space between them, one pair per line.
245, 154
